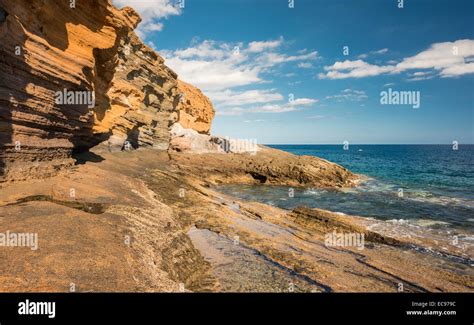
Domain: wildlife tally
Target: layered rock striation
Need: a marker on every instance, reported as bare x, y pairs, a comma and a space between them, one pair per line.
195, 109
90, 51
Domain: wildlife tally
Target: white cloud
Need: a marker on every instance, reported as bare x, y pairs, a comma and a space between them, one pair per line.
258, 46
152, 27
305, 65
381, 51
366, 55
214, 66
217, 68
353, 69
290, 106
214, 75
302, 102
207, 49
349, 95
421, 75
151, 13
271, 58
447, 59
232, 98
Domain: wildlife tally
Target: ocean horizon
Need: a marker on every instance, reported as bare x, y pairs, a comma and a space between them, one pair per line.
366, 144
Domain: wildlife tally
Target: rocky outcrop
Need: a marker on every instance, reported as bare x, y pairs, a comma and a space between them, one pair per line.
195, 109
184, 139
325, 221
262, 165
138, 101
116, 89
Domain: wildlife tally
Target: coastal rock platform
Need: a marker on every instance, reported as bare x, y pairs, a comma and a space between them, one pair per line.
152, 221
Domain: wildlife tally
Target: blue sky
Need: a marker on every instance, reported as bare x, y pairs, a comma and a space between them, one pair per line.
279, 74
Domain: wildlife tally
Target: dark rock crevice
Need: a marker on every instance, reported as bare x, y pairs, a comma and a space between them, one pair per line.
3, 15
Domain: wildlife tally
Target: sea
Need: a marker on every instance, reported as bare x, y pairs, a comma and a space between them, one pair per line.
405, 187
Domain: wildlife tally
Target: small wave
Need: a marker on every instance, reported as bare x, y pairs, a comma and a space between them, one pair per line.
417, 222
420, 233
313, 191
352, 190
399, 221
441, 200
372, 185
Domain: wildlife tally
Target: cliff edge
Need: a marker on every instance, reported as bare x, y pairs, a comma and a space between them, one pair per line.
74, 77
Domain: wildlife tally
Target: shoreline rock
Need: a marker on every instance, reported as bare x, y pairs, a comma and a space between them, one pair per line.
267, 166
141, 196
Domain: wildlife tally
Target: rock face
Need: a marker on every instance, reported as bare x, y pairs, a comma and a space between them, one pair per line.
86, 52
138, 102
195, 109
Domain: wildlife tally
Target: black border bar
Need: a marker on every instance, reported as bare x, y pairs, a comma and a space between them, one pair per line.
242, 306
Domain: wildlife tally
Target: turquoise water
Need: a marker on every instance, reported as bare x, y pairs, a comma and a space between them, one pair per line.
437, 184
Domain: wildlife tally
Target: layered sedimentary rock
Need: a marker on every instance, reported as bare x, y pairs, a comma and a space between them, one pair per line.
48, 48
138, 101
195, 109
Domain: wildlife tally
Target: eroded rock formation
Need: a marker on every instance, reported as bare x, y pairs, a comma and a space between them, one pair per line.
137, 103
195, 109
48, 47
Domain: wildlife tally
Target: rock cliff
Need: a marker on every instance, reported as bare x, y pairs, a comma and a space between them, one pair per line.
116, 90
195, 109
